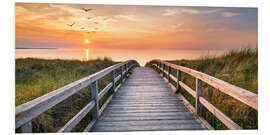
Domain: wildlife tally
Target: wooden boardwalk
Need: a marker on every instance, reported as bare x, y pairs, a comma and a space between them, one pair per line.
146, 103
142, 102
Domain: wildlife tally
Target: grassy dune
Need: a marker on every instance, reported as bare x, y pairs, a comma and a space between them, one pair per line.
36, 77
238, 67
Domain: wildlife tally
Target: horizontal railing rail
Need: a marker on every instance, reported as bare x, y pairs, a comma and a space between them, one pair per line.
238, 93
26, 112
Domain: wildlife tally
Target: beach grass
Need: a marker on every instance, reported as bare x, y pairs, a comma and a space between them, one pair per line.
36, 77
237, 67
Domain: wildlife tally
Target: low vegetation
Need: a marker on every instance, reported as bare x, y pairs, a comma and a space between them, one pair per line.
36, 77
238, 67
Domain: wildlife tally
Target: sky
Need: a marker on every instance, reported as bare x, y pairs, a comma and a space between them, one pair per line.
148, 29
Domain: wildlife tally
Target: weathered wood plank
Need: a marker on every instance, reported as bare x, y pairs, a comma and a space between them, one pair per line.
146, 123
238, 93
184, 86
143, 100
77, 118
27, 111
147, 111
105, 90
90, 126
203, 122
198, 105
27, 127
221, 116
149, 128
94, 97
173, 117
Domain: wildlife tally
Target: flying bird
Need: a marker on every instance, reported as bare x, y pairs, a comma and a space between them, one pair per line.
86, 9
82, 28
88, 18
70, 25
96, 22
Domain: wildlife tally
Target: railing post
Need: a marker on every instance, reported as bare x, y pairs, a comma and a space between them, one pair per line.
113, 81
126, 70
169, 72
27, 127
179, 78
121, 74
160, 70
198, 95
163, 70
158, 64
94, 96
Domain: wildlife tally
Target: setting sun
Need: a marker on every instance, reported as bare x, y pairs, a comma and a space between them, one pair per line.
86, 41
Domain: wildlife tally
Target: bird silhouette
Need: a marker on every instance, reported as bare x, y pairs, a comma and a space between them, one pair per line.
96, 22
86, 9
70, 25
88, 18
82, 28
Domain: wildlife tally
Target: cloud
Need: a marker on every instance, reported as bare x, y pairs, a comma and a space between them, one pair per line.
191, 11
126, 17
170, 12
229, 14
180, 28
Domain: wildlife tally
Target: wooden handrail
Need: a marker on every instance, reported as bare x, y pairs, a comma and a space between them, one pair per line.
245, 96
26, 112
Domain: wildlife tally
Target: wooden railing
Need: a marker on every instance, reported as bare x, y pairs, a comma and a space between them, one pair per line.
238, 93
27, 111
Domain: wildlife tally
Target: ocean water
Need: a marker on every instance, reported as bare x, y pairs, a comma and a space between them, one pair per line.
142, 56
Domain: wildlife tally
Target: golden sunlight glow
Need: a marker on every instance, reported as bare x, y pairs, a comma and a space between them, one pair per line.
86, 54
86, 41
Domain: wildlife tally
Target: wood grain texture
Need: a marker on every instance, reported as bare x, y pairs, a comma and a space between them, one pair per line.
145, 103
221, 116
245, 96
77, 118
27, 111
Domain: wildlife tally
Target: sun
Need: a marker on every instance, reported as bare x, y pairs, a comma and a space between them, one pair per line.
86, 41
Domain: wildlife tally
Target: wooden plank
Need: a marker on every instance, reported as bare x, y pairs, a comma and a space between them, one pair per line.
121, 74
183, 85
157, 114
138, 118
221, 116
147, 111
169, 73
245, 96
27, 111
163, 70
147, 105
90, 126
104, 91
179, 79
198, 105
105, 105
146, 123
108, 101
203, 122
188, 89
77, 118
112, 81
141, 100
192, 110
94, 97
27, 127
149, 128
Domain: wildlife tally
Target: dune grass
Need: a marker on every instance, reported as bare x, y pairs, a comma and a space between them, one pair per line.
238, 67
36, 77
